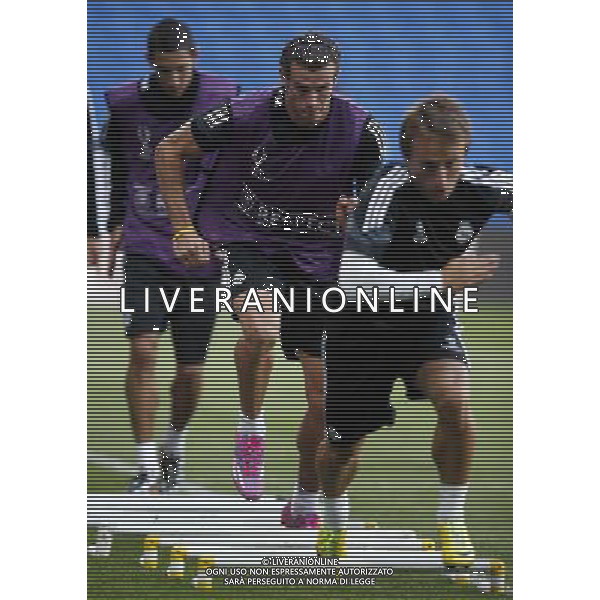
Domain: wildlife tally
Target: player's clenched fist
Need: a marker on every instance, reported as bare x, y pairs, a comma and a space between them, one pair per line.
190, 248
469, 269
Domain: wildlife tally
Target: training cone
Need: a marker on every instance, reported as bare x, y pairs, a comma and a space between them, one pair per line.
149, 557
202, 580
176, 566
103, 544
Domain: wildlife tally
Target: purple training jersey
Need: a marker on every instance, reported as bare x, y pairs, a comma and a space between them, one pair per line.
261, 184
147, 229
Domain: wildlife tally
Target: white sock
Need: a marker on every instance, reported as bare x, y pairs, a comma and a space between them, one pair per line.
452, 502
256, 426
174, 441
305, 502
336, 512
147, 457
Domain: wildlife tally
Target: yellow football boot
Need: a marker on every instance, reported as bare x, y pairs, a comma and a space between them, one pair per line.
331, 543
456, 545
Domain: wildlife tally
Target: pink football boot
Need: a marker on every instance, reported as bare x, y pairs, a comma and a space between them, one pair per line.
248, 465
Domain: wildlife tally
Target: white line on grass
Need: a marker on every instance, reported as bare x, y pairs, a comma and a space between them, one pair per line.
109, 462
122, 466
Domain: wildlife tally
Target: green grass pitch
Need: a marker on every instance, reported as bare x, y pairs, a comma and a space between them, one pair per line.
396, 485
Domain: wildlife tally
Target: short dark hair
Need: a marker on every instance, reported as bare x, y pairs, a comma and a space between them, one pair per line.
438, 114
312, 51
169, 35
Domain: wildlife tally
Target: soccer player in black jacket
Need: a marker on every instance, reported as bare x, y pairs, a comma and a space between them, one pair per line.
413, 226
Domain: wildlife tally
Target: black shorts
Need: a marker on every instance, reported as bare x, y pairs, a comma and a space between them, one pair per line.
190, 331
251, 267
366, 353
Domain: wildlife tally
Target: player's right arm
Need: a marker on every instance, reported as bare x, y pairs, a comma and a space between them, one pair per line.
188, 246
202, 134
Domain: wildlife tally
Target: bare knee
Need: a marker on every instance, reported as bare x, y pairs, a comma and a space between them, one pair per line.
341, 453
143, 352
314, 380
446, 383
260, 331
191, 373
263, 339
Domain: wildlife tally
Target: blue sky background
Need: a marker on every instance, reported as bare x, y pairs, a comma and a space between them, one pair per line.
393, 53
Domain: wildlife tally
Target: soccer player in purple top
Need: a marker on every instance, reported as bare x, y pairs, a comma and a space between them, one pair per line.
286, 157
142, 113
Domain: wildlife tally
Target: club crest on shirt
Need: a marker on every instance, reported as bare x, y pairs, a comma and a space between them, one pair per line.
217, 117
259, 156
464, 232
420, 236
